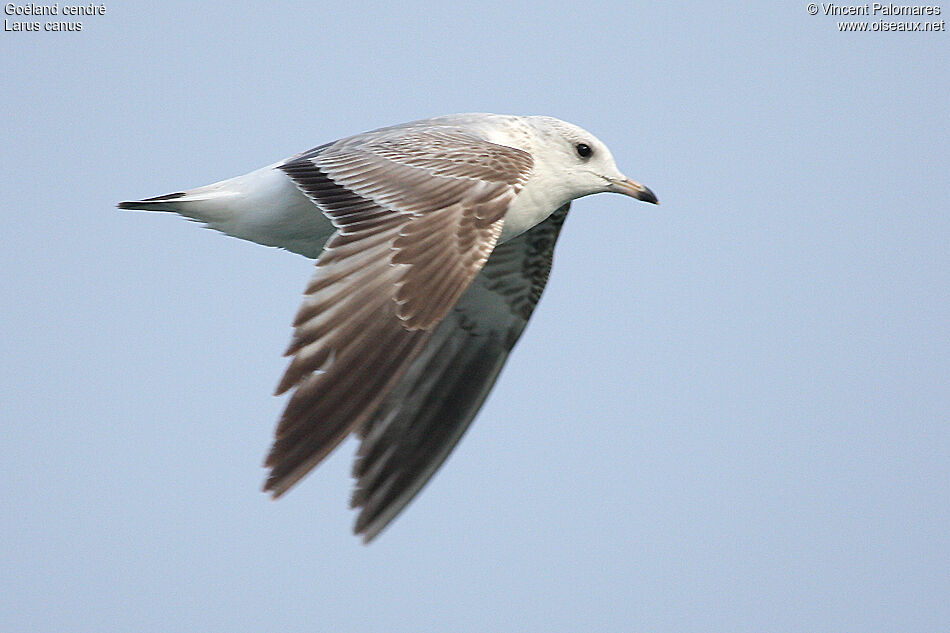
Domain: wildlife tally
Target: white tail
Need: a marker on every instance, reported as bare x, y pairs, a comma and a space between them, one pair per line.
264, 206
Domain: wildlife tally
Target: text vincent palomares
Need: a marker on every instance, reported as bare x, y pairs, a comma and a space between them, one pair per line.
876, 8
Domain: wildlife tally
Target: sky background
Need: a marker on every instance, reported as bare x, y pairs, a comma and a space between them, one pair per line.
729, 412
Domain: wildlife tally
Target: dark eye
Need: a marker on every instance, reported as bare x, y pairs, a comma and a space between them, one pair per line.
583, 150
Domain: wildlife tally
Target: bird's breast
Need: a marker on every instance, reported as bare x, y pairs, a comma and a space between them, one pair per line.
533, 204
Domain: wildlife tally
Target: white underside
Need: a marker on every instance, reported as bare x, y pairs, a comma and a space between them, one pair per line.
533, 204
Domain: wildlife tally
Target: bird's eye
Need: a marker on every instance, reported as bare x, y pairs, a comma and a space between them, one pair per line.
583, 150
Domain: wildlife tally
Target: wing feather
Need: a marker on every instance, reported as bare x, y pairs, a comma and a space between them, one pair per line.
426, 413
417, 215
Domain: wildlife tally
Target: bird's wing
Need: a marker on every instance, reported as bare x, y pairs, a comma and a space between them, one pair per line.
424, 416
417, 213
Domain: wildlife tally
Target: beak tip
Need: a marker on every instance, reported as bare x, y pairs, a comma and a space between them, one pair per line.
648, 196
634, 190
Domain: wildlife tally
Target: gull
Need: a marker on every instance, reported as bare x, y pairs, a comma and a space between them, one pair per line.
433, 242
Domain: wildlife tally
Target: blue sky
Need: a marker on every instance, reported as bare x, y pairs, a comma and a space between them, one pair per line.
729, 412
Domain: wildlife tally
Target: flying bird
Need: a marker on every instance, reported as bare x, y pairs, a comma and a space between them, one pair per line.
433, 241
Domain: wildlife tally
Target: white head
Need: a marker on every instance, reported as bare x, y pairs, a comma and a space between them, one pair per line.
576, 163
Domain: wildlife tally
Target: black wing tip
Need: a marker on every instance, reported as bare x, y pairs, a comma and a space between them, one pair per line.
365, 537
272, 492
167, 196
138, 204
365, 530
275, 486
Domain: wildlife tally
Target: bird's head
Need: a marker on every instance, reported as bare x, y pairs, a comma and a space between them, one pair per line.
578, 162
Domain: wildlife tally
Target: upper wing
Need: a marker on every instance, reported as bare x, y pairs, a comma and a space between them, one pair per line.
417, 214
426, 413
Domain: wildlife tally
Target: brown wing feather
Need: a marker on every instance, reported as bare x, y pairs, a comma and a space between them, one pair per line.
417, 215
428, 410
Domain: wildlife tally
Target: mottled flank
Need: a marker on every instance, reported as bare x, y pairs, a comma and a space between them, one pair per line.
430, 408
534, 256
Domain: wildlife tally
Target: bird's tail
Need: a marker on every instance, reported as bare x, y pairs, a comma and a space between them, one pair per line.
158, 203
264, 206
206, 204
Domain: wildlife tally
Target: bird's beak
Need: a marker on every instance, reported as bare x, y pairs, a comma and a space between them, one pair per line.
634, 190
